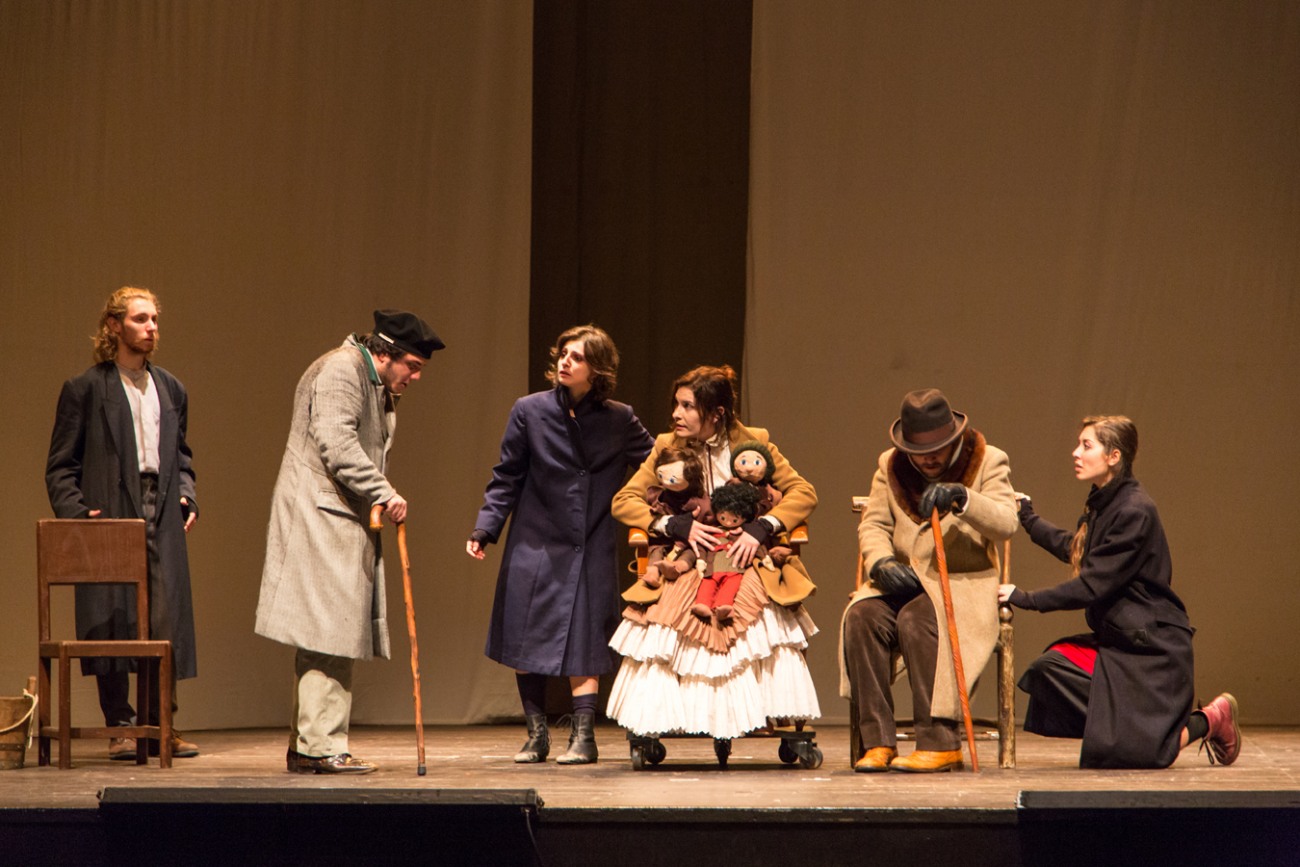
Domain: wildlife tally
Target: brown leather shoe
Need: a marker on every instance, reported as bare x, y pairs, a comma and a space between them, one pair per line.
121, 749
875, 761
928, 762
181, 748
343, 763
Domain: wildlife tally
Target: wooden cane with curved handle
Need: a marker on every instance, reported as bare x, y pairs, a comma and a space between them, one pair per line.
959, 670
376, 524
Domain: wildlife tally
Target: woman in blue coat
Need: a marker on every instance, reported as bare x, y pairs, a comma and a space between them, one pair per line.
564, 454
1126, 687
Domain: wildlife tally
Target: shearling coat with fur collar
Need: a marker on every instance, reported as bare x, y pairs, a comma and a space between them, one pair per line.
891, 527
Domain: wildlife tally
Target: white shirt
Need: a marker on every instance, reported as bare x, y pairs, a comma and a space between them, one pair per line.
146, 415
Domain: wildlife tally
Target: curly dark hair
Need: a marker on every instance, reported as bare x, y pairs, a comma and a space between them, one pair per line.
739, 499
601, 354
379, 346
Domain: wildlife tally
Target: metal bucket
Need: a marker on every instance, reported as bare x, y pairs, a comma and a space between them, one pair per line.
17, 724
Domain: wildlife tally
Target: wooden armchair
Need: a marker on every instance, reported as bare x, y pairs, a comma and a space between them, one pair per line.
1004, 727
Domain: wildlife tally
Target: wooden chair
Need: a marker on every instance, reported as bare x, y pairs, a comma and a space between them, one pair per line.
99, 551
1004, 727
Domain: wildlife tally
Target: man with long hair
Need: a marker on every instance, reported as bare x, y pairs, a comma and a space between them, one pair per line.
119, 450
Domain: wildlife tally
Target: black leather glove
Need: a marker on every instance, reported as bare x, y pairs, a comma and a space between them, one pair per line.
944, 496
480, 536
679, 527
893, 578
760, 530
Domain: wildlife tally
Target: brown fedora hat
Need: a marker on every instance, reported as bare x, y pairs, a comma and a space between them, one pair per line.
926, 423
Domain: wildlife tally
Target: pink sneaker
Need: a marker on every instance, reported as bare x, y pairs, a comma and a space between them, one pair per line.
1224, 737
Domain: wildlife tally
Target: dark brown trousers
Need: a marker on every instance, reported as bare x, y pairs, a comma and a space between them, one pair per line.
873, 629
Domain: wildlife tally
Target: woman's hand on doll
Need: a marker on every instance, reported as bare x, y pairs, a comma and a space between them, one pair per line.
742, 550
706, 537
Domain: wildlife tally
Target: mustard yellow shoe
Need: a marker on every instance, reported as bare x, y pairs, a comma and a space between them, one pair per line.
875, 761
928, 762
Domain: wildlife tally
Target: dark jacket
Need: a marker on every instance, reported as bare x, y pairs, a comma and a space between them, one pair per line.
1142, 687
557, 600
92, 465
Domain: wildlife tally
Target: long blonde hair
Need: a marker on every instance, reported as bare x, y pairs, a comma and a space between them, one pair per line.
1114, 433
105, 341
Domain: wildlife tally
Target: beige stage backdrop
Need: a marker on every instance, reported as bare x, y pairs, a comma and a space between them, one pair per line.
1047, 209
275, 171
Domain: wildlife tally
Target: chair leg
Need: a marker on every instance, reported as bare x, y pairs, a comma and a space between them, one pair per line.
43, 692
65, 710
855, 734
1006, 695
143, 675
164, 669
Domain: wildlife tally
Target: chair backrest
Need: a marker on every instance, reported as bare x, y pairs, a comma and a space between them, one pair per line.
91, 551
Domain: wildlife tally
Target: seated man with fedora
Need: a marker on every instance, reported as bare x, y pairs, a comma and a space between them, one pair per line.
892, 620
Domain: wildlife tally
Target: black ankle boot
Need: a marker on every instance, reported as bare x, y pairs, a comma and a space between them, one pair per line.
539, 740
582, 741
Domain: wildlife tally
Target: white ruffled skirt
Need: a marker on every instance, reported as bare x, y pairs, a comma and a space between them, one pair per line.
670, 684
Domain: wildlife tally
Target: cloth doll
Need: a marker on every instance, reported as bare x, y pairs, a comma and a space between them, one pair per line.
680, 492
752, 462
733, 506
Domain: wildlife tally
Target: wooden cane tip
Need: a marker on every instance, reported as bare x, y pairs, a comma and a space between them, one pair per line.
420, 770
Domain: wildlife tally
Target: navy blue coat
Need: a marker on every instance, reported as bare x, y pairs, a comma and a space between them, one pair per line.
1142, 688
557, 599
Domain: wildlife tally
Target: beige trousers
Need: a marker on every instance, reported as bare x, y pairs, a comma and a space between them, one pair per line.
322, 704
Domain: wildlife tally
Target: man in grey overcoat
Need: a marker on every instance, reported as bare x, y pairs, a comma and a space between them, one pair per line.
118, 450
323, 579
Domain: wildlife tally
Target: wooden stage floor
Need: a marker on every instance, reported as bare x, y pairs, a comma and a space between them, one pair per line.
463, 757
1046, 810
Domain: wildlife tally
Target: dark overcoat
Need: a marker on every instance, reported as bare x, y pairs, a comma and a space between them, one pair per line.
93, 465
1142, 686
556, 603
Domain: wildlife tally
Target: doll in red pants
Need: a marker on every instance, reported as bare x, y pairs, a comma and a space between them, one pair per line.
733, 506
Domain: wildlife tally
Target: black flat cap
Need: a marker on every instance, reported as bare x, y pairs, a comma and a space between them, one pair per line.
407, 332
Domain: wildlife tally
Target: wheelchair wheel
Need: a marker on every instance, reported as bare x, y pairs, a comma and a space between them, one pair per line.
722, 749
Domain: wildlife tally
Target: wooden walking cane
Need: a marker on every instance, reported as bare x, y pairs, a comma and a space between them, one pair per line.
376, 524
942, 559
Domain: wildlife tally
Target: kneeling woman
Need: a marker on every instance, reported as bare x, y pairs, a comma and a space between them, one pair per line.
1126, 687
